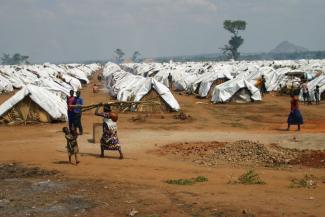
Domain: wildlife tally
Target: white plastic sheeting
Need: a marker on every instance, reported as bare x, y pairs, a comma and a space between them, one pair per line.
206, 80
126, 86
54, 77
52, 104
320, 81
5, 85
187, 76
224, 92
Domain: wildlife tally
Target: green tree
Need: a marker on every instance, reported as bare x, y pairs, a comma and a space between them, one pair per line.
231, 49
118, 55
15, 59
135, 56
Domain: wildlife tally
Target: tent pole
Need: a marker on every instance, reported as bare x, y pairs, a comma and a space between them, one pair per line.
29, 103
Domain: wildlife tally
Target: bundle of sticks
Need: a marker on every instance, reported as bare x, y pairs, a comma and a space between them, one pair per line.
121, 105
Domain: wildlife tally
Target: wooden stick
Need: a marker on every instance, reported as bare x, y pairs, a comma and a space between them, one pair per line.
115, 103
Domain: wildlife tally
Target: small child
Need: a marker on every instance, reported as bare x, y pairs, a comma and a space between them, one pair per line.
95, 88
72, 144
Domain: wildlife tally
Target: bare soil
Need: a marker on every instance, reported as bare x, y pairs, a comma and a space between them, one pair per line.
112, 187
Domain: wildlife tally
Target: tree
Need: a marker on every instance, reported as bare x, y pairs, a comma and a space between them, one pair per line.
118, 55
135, 56
231, 49
15, 59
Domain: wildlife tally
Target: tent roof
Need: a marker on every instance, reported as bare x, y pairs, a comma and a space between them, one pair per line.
224, 92
51, 103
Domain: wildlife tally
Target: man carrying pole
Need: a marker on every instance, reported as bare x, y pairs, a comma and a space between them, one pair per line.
71, 101
78, 112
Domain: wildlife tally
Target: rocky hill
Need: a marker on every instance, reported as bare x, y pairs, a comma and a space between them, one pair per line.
287, 47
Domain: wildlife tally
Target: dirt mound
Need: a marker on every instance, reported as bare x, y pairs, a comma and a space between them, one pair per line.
242, 152
14, 170
311, 159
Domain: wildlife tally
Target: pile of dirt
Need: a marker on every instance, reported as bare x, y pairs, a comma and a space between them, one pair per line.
242, 152
311, 159
14, 170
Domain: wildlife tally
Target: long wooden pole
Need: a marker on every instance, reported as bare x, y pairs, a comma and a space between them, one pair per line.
114, 103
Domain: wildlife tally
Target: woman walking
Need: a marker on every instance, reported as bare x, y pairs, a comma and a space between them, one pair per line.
295, 117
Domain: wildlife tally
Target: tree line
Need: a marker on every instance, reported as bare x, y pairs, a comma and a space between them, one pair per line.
118, 56
15, 59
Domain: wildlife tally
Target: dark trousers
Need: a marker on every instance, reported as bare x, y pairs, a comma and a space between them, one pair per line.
71, 119
77, 122
170, 82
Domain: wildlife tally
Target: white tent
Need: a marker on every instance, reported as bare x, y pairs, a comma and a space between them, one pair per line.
320, 81
207, 79
34, 103
224, 92
129, 87
5, 85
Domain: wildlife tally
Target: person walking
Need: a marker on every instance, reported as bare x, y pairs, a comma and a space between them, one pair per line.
170, 81
71, 101
305, 92
78, 113
317, 97
72, 144
295, 117
263, 86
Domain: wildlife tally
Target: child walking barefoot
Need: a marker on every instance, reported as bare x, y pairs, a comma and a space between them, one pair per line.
72, 144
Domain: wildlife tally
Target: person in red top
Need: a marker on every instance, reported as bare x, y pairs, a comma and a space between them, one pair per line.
71, 101
295, 117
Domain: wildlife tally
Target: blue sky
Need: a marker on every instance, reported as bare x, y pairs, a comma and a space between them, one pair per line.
72, 30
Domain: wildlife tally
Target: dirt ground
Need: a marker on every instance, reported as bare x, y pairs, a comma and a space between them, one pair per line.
112, 187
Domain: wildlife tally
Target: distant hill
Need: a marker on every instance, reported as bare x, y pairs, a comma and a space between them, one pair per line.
287, 47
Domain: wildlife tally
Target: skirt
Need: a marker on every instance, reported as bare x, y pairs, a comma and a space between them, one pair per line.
295, 117
110, 141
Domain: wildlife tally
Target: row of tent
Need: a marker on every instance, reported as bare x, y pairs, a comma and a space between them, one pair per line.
60, 78
125, 86
227, 81
42, 90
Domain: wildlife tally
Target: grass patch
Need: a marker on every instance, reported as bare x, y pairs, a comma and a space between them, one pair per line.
249, 178
187, 181
308, 181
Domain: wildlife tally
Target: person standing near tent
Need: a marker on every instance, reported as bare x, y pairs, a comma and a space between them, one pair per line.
78, 113
71, 101
295, 117
170, 81
316, 92
305, 92
263, 86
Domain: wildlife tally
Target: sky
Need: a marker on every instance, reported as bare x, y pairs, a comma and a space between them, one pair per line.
79, 30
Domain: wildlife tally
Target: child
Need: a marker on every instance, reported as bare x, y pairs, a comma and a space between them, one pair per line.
316, 92
72, 144
95, 88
